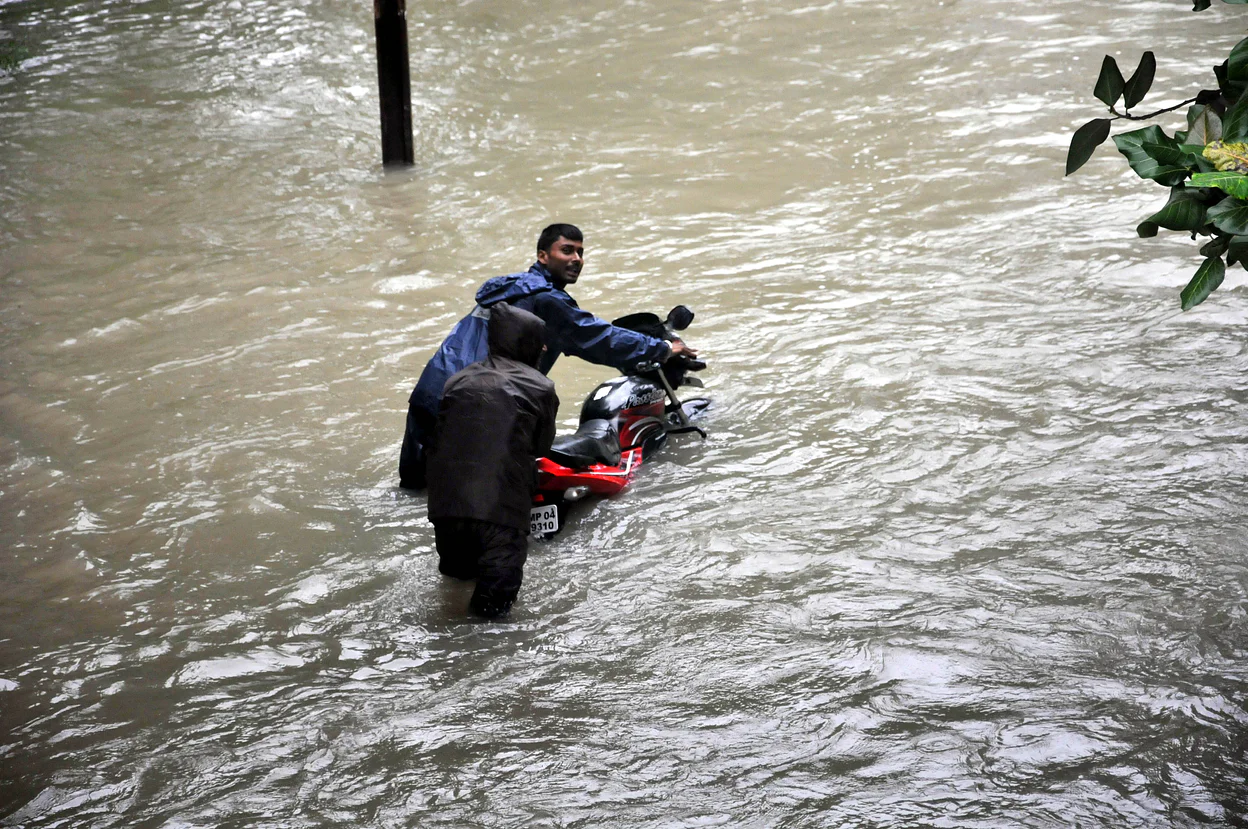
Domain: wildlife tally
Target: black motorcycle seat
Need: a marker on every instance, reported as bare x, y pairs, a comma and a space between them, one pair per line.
595, 441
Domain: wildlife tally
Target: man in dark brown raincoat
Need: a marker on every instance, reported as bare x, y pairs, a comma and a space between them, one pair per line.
495, 418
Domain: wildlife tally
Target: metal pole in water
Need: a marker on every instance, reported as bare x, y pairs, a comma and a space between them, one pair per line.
394, 81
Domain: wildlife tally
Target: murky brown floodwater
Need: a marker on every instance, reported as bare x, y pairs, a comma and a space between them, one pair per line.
965, 546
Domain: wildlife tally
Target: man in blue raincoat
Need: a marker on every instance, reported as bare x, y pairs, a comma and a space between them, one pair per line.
540, 290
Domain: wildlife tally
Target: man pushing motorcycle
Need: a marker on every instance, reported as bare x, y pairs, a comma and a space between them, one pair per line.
495, 418
541, 290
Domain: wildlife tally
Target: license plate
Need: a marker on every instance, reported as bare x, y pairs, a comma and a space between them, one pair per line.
544, 520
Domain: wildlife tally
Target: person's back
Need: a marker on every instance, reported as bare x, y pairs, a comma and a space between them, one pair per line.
495, 418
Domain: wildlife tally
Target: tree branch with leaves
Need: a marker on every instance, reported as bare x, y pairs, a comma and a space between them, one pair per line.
1205, 166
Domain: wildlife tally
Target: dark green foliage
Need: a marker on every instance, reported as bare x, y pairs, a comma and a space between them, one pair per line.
1237, 63
1207, 279
1217, 247
1087, 138
1153, 155
1185, 210
1110, 84
1235, 122
1230, 87
1140, 82
1230, 215
1204, 125
1204, 166
1237, 251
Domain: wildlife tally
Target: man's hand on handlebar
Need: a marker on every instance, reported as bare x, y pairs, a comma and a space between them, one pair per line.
679, 347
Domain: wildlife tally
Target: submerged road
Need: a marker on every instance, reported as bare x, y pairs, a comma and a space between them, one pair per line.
965, 546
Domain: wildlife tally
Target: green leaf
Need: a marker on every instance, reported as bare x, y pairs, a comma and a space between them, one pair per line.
1141, 80
1207, 279
1230, 216
1086, 139
1200, 5
1194, 158
1235, 122
1147, 229
1237, 63
1230, 88
1171, 153
1142, 148
1237, 251
1205, 125
1184, 211
1109, 84
1235, 184
1217, 246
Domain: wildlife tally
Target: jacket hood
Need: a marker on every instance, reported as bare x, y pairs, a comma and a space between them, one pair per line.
516, 334
511, 287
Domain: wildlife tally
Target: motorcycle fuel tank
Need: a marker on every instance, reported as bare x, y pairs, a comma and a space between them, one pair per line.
636, 395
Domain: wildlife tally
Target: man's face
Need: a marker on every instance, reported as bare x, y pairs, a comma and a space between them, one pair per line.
564, 260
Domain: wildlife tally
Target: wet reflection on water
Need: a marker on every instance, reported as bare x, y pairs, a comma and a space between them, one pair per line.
962, 547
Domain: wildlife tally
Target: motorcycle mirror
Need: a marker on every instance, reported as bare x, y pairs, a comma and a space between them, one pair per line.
679, 318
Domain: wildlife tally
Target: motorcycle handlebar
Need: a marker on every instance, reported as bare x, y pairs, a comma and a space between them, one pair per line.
648, 366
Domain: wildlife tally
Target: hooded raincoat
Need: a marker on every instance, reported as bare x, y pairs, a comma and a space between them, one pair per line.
495, 418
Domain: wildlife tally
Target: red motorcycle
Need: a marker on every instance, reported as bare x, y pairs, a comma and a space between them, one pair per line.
623, 422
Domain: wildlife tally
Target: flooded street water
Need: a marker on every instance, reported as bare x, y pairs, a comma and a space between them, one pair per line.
965, 545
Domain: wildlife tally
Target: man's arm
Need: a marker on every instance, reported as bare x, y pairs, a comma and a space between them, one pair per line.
592, 338
546, 423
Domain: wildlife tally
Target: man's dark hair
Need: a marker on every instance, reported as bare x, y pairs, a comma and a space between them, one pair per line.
552, 233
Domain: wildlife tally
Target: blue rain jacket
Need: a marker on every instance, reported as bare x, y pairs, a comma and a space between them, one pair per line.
569, 330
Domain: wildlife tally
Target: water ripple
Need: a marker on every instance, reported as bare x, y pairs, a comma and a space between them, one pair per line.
959, 549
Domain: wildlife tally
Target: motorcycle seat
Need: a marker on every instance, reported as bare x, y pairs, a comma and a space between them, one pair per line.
595, 441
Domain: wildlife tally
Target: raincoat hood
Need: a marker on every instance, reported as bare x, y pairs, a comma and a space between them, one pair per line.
511, 287
516, 334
